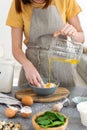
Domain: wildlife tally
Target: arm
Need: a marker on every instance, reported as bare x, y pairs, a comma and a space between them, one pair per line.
31, 73
72, 29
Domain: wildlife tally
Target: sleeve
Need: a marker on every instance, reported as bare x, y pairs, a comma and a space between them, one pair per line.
72, 9
14, 19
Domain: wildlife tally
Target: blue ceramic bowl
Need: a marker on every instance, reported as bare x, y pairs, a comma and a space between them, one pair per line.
45, 91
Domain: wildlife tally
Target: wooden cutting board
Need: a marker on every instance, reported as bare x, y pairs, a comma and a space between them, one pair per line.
60, 93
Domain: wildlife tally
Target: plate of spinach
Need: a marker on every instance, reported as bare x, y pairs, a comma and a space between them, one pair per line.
49, 120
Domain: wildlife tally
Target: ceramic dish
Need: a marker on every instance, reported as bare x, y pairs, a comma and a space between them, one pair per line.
45, 91
79, 99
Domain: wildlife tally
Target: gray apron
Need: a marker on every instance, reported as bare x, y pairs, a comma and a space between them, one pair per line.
43, 24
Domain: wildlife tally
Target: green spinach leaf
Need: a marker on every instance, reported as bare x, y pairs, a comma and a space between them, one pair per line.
50, 119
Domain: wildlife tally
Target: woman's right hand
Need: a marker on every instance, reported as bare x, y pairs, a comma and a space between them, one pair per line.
32, 75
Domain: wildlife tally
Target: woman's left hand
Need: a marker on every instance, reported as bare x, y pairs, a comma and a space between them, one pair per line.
68, 30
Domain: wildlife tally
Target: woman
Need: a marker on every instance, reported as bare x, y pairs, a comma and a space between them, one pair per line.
41, 21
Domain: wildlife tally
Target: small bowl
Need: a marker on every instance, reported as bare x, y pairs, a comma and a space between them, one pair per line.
45, 91
37, 127
79, 99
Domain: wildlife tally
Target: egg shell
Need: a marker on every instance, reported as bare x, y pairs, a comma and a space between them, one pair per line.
58, 106
26, 112
10, 112
25, 115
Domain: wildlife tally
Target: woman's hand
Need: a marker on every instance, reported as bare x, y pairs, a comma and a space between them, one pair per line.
72, 29
67, 30
32, 74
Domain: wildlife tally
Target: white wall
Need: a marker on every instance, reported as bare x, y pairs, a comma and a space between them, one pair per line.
5, 37
5, 31
83, 17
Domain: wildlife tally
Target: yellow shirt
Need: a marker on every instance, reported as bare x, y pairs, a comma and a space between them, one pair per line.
67, 9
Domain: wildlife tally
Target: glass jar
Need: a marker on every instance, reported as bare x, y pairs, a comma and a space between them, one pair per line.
66, 51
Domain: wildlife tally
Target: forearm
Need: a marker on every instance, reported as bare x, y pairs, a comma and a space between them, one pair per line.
17, 51
78, 36
31, 72
20, 56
